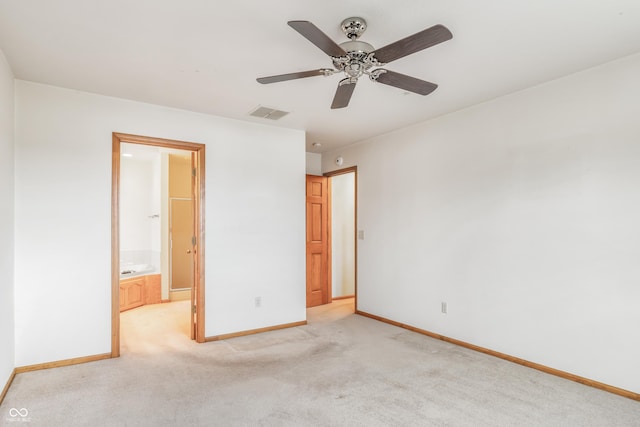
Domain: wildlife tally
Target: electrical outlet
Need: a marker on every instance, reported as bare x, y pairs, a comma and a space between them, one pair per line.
258, 301
443, 307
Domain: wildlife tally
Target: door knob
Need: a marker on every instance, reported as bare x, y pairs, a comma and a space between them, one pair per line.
189, 251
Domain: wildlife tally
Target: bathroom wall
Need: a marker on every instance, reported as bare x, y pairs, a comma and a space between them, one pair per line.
7, 219
140, 208
522, 215
254, 218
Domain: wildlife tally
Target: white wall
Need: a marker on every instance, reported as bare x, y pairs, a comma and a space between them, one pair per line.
523, 215
7, 252
343, 234
254, 218
137, 204
314, 163
156, 207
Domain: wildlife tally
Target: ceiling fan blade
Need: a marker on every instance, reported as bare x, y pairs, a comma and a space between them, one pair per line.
317, 37
407, 83
292, 76
412, 44
343, 94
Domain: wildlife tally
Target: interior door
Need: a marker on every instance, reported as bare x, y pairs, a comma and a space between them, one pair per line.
317, 241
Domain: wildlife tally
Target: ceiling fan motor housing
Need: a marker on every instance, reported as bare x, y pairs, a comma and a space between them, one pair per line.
356, 46
358, 60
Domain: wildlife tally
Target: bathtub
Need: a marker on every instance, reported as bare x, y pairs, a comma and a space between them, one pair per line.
136, 270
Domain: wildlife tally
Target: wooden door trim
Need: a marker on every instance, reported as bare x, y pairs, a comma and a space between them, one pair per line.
199, 149
341, 171
329, 175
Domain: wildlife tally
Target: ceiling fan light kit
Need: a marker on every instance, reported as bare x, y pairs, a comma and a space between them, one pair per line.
355, 58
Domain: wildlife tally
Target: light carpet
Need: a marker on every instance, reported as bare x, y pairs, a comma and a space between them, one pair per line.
339, 370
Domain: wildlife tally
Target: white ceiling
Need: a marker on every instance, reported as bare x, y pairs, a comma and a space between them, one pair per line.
204, 55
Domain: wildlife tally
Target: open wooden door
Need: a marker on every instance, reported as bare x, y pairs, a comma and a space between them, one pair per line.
318, 274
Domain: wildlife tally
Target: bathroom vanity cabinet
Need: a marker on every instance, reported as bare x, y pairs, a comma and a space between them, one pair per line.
152, 292
131, 293
140, 290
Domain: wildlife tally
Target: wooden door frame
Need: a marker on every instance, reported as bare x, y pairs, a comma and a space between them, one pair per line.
199, 149
329, 175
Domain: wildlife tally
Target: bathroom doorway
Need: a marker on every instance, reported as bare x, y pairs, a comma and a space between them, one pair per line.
157, 231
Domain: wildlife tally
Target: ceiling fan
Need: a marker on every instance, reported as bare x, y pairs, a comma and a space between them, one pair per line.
355, 58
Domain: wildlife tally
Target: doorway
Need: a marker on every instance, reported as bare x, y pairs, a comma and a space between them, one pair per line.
190, 236
331, 249
343, 235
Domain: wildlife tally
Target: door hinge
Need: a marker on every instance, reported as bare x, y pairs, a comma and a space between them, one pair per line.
193, 309
193, 240
193, 172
